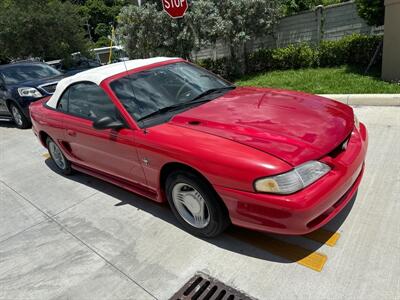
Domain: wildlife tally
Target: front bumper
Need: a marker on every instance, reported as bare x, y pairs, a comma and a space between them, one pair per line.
310, 208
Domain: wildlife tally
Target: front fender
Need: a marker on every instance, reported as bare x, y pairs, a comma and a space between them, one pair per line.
221, 161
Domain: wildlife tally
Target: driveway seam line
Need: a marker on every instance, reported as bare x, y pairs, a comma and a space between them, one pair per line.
26, 229
80, 240
76, 204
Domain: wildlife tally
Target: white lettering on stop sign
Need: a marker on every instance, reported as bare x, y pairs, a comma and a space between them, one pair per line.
175, 8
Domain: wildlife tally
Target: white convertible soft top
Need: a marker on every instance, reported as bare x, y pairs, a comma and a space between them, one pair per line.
97, 75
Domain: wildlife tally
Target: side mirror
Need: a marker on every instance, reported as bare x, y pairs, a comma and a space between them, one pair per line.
107, 123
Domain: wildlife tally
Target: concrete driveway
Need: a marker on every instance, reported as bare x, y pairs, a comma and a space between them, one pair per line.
81, 238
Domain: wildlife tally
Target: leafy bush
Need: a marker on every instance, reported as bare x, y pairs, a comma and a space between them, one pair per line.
293, 57
361, 49
260, 61
224, 67
354, 50
332, 53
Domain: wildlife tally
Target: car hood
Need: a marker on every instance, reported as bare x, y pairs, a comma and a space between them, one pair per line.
38, 82
292, 126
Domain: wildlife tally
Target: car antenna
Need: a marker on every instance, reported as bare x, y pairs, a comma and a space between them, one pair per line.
130, 83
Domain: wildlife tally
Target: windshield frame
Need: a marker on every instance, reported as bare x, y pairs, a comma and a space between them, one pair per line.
26, 65
166, 116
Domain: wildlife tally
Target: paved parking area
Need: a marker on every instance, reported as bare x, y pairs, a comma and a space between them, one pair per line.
81, 238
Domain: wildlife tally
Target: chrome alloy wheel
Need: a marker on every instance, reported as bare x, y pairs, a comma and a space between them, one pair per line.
190, 205
57, 156
16, 115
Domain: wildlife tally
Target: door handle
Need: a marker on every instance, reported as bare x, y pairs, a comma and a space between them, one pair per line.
71, 132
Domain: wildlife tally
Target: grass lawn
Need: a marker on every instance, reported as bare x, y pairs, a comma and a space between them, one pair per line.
342, 80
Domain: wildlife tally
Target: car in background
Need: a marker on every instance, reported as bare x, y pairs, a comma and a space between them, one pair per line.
118, 54
77, 64
22, 83
270, 160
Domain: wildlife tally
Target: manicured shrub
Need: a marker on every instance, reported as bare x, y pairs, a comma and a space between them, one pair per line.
332, 53
361, 49
353, 50
293, 57
260, 61
224, 67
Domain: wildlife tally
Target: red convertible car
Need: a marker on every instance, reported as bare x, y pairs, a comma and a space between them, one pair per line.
266, 159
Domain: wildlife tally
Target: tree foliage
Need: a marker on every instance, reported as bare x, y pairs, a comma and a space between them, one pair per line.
294, 6
148, 31
48, 29
243, 20
372, 11
99, 15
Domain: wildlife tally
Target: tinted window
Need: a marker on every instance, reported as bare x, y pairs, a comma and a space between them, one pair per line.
145, 92
89, 101
63, 102
23, 72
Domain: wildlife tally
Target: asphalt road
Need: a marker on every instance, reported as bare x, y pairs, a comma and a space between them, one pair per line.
81, 238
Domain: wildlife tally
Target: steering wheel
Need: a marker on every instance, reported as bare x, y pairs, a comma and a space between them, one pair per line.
181, 90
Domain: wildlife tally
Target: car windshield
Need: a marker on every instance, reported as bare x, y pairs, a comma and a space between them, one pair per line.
20, 73
176, 85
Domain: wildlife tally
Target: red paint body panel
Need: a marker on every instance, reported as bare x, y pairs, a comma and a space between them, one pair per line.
244, 135
290, 125
320, 202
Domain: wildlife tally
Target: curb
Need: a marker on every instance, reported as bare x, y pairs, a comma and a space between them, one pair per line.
366, 99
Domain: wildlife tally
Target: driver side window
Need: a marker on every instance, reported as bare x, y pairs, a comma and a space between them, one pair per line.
87, 100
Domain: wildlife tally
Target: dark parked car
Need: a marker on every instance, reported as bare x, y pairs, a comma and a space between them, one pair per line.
23, 83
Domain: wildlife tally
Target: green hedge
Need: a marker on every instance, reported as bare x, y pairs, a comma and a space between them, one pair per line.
354, 50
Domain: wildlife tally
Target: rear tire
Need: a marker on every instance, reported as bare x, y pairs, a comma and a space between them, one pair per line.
19, 118
196, 205
61, 162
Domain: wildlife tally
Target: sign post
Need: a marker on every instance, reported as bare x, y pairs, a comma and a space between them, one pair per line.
175, 8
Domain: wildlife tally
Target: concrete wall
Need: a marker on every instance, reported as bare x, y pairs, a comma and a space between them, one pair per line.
324, 23
391, 43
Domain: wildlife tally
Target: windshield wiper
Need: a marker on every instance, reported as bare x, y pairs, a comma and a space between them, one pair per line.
194, 101
161, 111
212, 91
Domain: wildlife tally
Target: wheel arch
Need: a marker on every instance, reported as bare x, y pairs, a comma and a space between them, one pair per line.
171, 167
43, 137
8, 103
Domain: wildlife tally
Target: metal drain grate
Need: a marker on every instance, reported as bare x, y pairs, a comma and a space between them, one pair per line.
204, 287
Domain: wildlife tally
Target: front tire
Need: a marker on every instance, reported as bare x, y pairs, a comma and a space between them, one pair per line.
61, 162
196, 205
19, 118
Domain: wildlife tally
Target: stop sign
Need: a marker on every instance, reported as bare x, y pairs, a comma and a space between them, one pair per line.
175, 8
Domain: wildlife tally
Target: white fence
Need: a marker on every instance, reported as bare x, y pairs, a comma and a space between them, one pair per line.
324, 23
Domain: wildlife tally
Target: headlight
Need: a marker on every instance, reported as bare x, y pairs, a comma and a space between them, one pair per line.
29, 92
294, 180
356, 123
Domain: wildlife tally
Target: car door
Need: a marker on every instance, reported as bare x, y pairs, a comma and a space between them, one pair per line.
109, 151
3, 96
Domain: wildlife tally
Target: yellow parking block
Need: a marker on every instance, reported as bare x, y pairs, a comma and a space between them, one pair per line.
305, 257
46, 155
324, 236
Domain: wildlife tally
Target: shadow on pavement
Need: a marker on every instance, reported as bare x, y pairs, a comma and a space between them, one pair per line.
271, 247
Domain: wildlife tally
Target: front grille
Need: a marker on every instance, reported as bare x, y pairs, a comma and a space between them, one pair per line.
49, 88
204, 287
